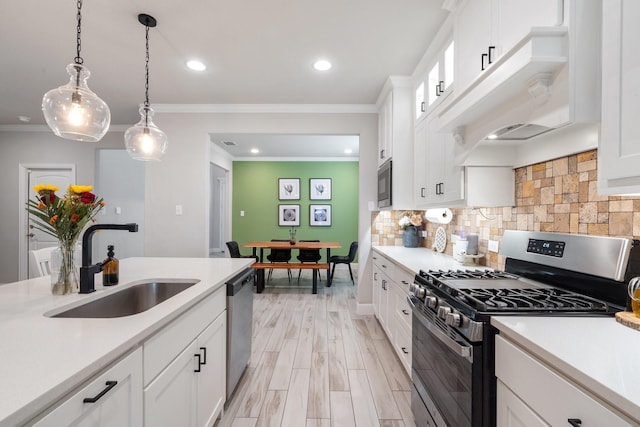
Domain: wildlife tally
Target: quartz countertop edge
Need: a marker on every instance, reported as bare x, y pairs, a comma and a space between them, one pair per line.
45, 358
415, 259
596, 353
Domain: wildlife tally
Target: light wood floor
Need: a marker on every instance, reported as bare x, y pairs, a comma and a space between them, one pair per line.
316, 363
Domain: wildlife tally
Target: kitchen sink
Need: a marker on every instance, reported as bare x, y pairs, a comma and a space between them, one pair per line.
129, 301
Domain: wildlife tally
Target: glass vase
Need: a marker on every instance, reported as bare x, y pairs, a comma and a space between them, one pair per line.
65, 264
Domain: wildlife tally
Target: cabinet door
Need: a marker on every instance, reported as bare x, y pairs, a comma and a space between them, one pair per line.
435, 158
513, 412
120, 406
472, 38
420, 164
385, 129
618, 150
376, 289
211, 379
170, 399
452, 174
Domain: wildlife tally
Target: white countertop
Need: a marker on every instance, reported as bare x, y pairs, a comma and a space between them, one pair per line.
416, 259
597, 353
42, 358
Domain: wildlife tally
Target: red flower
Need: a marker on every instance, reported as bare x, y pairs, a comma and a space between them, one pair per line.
87, 197
75, 218
52, 198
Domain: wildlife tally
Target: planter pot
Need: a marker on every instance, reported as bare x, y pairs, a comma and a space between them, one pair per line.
411, 237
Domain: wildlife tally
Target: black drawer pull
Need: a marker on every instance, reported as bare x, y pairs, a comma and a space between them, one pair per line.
404, 350
204, 355
109, 386
575, 422
405, 312
422, 192
422, 107
199, 362
483, 57
491, 49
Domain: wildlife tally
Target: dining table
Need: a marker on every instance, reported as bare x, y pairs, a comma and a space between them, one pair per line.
261, 265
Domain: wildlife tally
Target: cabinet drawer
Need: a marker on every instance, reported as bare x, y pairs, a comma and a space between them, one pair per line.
542, 388
401, 307
163, 347
402, 344
403, 279
386, 266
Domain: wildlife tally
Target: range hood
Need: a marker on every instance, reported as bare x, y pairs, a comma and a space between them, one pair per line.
549, 81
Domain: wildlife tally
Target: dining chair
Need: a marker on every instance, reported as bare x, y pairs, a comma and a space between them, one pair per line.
341, 259
309, 255
279, 255
40, 261
234, 251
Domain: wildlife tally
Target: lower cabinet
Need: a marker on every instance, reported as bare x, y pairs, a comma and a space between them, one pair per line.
390, 291
530, 393
112, 399
191, 390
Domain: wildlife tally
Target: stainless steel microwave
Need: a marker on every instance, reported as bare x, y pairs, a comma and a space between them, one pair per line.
384, 185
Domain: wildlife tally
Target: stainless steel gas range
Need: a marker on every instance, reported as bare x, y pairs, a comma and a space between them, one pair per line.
546, 274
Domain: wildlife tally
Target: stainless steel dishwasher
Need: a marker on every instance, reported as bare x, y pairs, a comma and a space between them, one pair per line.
239, 326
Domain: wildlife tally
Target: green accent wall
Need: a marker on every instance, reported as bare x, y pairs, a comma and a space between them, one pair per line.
255, 191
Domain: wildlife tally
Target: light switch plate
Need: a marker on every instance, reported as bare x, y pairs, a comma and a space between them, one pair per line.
178, 209
493, 246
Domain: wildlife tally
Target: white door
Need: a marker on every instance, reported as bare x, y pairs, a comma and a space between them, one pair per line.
31, 238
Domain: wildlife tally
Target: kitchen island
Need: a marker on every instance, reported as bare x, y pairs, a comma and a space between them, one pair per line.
44, 359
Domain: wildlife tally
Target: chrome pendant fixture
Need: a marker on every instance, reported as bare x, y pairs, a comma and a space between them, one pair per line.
73, 111
144, 141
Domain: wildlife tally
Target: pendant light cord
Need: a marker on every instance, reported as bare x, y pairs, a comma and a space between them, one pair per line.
78, 59
146, 67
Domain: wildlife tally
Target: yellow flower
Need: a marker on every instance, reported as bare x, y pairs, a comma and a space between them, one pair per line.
45, 187
79, 189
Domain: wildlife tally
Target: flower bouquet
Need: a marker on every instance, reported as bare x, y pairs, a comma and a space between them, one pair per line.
64, 218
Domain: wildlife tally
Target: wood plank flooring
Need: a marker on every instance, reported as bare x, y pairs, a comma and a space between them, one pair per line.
316, 363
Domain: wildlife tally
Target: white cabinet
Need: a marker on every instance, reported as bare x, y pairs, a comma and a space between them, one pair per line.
111, 399
618, 149
395, 138
540, 396
485, 30
390, 290
185, 367
437, 82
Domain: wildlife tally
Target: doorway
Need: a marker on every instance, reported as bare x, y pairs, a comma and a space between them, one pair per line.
217, 210
60, 175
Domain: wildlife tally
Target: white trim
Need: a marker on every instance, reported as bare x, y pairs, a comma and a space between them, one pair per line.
45, 128
296, 159
267, 108
364, 309
23, 179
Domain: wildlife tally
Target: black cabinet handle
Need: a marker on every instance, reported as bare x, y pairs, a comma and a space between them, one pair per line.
404, 350
405, 312
405, 282
491, 49
422, 192
204, 355
423, 107
197, 356
575, 422
382, 154
375, 276
483, 57
109, 386
440, 85
437, 90
384, 285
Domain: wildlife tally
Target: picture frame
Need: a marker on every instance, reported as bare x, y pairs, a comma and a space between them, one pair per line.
288, 215
319, 188
320, 215
289, 188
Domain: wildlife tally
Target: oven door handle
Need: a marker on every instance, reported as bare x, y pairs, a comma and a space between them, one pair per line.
460, 350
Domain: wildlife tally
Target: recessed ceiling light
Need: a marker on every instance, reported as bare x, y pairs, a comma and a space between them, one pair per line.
322, 65
196, 65
492, 136
255, 150
348, 151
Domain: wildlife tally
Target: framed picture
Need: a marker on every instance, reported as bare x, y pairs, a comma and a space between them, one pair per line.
288, 215
320, 215
289, 188
320, 189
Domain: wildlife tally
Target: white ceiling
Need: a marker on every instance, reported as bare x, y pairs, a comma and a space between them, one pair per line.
257, 51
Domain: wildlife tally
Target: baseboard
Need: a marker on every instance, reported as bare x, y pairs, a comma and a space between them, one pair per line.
364, 309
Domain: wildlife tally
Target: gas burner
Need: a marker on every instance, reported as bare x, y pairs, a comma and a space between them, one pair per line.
470, 274
538, 299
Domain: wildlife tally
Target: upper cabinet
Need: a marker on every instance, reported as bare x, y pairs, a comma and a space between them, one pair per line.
619, 150
436, 84
487, 29
395, 138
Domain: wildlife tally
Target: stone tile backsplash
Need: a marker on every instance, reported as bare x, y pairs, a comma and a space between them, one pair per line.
558, 196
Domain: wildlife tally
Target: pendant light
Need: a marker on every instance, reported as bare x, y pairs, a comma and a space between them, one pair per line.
73, 111
144, 141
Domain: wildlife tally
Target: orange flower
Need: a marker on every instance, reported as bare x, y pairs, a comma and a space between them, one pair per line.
53, 219
75, 218
102, 203
41, 205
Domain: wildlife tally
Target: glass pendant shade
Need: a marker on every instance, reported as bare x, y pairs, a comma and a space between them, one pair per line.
144, 141
73, 111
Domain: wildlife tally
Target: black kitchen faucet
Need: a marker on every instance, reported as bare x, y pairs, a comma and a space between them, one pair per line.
87, 271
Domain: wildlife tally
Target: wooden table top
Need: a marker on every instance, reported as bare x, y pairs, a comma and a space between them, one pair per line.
298, 245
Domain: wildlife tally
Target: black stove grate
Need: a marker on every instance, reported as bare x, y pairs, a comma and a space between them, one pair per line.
536, 299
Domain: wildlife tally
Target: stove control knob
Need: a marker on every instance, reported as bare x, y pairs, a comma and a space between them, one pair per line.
419, 292
432, 302
453, 319
443, 311
412, 288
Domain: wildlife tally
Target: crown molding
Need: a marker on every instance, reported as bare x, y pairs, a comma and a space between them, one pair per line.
267, 108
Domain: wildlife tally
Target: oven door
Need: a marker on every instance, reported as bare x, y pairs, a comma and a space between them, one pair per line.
443, 371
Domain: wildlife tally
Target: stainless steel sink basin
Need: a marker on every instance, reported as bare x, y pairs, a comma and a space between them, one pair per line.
132, 300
